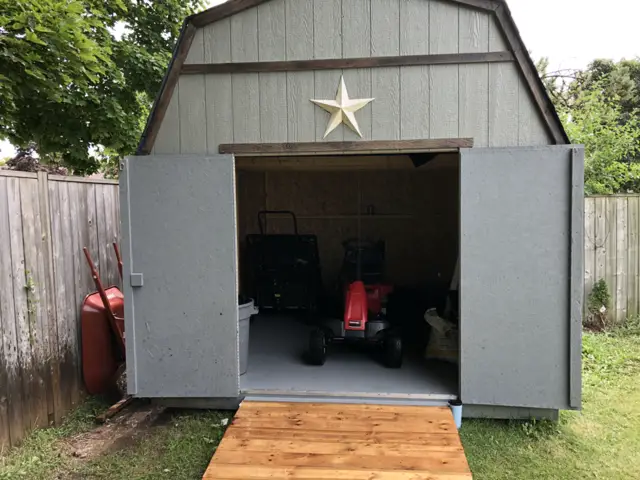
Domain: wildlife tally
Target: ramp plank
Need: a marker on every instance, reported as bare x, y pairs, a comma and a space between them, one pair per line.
339, 442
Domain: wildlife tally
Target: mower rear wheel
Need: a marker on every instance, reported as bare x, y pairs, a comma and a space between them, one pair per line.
317, 353
392, 347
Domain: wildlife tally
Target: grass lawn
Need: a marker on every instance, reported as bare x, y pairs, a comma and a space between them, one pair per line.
601, 442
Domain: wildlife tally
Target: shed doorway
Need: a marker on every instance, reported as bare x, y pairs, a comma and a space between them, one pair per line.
407, 203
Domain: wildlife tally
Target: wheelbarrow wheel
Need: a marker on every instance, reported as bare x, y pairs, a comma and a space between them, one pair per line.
392, 351
317, 352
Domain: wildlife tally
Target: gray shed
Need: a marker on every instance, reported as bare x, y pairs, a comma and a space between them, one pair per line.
429, 129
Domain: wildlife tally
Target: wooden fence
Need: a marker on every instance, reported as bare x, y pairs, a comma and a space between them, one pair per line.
612, 244
44, 223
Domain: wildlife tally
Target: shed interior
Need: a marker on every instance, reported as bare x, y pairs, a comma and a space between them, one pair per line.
411, 203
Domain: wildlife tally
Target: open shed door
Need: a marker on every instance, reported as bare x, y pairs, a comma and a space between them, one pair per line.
180, 282
521, 250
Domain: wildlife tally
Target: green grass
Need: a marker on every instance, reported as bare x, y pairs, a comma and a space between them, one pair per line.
601, 442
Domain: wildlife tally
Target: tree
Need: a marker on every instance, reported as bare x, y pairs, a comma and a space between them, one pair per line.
73, 84
600, 108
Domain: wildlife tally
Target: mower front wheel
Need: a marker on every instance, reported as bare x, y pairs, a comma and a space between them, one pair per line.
392, 347
317, 353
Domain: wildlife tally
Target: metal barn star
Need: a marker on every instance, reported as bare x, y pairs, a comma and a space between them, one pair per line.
342, 109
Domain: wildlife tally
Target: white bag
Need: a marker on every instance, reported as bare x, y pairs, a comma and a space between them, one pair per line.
443, 341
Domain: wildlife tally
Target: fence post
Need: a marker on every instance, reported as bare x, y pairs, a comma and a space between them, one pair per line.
55, 403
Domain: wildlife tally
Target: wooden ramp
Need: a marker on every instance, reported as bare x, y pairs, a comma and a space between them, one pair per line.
317, 441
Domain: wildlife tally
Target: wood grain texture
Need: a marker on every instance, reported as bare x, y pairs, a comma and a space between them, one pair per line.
217, 42
166, 94
273, 106
340, 147
532, 130
633, 254
385, 27
385, 110
35, 302
246, 107
415, 28
168, 137
20, 299
271, 31
196, 50
589, 247
54, 394
300, 111
193, 114
346, 63
356, 28
219, 105
299, 29
415, 102
12, 371
327, 29
244, 36
339, 442
610, 245
622, 232
504, 91
528, 69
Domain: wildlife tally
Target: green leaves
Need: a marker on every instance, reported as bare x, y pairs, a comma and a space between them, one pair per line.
73, 83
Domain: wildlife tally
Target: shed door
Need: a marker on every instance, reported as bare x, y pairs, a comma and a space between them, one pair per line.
521, 276
180, 284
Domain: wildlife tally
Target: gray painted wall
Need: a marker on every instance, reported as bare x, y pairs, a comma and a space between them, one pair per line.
182, 322
489, 102
519, 277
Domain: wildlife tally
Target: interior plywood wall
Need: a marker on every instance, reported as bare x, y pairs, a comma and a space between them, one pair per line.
415, 211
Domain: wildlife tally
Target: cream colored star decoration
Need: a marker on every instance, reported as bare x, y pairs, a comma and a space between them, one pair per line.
342, 109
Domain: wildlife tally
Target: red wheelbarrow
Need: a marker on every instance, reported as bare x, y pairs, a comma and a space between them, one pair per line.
102, 332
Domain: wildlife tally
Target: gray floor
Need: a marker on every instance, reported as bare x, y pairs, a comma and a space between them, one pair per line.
276, 365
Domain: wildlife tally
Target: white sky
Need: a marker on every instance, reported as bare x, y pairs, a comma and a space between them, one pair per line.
570, 32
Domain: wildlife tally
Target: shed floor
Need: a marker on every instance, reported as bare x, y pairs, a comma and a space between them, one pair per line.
276, 364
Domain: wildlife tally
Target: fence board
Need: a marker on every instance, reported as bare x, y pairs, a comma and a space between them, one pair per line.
20, 296
34, 274
633, 285
621, 257
44, 223
11, 417
54, 394
589, 245
610, 215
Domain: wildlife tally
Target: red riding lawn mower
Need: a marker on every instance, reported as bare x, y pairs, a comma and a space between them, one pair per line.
365, 297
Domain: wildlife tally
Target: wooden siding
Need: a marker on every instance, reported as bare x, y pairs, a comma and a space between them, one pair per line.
611, 244
489, 102
44, 223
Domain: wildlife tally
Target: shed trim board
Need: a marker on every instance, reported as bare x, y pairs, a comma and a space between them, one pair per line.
347, 63
347, 148
497, 8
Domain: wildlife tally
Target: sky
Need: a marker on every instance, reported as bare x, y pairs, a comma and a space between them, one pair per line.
570, 32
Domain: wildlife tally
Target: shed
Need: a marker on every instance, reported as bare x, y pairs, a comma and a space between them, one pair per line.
420, 123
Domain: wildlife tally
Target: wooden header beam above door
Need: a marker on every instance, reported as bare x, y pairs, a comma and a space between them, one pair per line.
346, 148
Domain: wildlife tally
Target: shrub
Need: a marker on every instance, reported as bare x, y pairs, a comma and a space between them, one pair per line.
598, 304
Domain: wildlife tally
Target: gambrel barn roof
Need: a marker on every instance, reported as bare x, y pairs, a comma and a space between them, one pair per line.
497, 8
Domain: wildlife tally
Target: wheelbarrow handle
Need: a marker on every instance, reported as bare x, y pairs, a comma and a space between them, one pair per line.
262, 219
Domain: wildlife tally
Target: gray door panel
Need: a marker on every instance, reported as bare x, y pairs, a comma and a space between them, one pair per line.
520, 254
180, 275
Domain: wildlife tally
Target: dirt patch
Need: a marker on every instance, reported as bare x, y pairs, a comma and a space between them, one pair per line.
123, 430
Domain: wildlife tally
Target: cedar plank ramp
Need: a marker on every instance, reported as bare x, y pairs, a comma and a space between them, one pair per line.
317, 441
